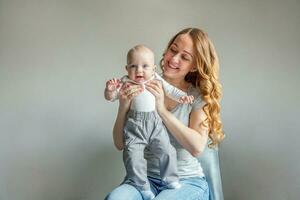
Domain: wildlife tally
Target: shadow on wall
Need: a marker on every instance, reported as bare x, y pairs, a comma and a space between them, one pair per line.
258, 169
104, 173
83, 171
101, 172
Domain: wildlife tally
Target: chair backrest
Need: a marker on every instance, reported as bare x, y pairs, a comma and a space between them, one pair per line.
211, 167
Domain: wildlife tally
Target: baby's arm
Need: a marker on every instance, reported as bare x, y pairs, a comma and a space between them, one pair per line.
175, 93
186, 99
112, 89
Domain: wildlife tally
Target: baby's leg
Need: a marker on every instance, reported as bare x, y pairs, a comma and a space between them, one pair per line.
135, 164
134, 161
161, 147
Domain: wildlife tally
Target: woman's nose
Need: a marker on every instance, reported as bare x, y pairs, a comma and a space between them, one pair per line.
175, 58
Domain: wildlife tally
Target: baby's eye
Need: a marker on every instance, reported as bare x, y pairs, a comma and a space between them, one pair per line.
145, 66
132, 66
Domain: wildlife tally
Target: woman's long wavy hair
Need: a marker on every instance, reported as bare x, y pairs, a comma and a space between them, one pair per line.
206, 78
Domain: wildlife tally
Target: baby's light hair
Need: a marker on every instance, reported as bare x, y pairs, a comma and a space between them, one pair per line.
135, 49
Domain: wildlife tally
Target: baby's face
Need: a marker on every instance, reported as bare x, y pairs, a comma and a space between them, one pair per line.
141, 67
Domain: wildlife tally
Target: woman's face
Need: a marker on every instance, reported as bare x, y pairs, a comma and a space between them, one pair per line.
179, 58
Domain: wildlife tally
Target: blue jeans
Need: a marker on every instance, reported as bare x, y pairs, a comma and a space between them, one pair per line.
194, 188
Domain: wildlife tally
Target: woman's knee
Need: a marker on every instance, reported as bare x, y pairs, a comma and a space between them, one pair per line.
112, 196
124, 191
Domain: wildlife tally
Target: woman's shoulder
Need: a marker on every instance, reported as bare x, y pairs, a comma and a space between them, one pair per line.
192, 90
198, 102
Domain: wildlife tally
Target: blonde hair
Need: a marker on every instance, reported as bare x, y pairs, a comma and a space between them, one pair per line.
206, 78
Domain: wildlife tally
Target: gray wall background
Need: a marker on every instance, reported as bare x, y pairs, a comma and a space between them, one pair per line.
55, 56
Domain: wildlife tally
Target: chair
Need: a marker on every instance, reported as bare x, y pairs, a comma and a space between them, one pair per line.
211, 168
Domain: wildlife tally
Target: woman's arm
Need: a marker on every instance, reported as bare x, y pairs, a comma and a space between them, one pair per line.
193, 137
118, 128
127, 93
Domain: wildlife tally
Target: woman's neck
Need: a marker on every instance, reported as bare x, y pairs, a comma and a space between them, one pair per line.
179, 83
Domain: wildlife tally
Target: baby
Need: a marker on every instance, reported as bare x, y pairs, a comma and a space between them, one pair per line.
143, 127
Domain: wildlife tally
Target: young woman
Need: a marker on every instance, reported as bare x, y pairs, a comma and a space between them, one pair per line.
189, 63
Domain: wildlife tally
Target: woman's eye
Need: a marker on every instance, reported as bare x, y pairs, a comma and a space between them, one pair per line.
173, 50
184, 57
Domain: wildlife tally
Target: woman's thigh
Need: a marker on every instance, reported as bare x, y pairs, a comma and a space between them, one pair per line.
124, 191
195, 188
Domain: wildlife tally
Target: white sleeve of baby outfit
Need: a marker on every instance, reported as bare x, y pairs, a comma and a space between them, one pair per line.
171, 91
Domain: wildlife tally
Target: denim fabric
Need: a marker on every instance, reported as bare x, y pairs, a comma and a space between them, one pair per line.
211, 167
194, 188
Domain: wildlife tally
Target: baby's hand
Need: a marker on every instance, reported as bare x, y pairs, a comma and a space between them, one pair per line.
113, 84
186, 99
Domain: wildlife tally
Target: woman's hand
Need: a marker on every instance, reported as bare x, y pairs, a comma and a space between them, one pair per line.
127, 92
193, 137
155, 87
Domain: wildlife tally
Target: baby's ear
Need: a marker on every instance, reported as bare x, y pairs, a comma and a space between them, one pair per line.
154, 68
